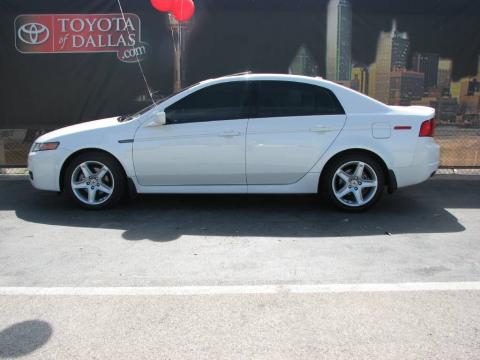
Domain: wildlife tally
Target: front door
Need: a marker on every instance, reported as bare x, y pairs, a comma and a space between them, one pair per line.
203, 142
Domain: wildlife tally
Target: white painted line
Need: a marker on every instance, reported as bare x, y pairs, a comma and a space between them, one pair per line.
241, 289
414, 286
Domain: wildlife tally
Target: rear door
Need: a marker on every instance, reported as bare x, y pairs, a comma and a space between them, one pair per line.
292, 126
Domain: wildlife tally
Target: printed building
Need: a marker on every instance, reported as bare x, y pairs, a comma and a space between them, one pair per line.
360, 79
303, 63
444, 76
405, 87
392, 54
426, 63
339, 40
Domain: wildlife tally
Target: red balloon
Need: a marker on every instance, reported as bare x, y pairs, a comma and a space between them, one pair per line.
162, 5
183, 9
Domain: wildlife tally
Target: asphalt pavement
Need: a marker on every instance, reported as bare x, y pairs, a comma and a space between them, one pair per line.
282, 277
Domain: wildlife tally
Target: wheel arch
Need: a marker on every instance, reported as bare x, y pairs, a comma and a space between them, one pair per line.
388, 174
67, 161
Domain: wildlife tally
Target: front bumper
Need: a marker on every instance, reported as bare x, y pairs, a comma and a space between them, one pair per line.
44, 168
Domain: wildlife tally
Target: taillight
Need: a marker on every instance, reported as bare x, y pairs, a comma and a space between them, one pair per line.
427, 128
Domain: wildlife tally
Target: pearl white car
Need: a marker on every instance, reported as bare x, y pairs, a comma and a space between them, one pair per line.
244, 134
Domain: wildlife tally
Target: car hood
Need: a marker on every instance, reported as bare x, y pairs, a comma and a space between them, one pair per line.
79, 128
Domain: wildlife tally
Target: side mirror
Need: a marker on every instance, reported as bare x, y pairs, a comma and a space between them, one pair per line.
158, 118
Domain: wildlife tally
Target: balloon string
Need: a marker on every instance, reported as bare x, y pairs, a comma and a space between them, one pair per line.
177, 42
180, 41
136, 56
175, 48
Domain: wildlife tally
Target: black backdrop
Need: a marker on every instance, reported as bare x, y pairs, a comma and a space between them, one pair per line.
51, 90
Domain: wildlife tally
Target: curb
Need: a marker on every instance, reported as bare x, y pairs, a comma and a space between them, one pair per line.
12, 177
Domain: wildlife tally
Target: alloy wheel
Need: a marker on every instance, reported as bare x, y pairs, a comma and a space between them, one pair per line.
92, 182
355, 183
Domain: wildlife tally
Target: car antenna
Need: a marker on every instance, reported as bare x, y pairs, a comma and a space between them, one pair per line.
149, 89
240, 73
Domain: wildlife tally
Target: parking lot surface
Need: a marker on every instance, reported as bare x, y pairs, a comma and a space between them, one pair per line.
242, 276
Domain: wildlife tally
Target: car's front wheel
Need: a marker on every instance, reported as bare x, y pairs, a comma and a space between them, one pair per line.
354, 182
95, 180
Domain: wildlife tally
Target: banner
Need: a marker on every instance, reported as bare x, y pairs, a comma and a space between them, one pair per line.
80, 33
63, 62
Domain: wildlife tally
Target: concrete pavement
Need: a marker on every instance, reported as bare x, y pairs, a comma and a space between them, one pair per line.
422, 234
438, 325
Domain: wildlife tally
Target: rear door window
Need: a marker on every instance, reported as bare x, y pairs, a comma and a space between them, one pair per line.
287, 98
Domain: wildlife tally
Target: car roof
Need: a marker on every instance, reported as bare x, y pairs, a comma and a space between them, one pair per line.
268, 76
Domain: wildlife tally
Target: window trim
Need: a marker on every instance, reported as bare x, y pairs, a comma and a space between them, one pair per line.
251, 105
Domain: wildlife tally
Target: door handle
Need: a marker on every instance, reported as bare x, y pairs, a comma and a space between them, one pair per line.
321, 128
230, 133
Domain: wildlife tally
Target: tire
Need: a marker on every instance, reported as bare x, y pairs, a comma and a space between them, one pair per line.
348, 191
104, 186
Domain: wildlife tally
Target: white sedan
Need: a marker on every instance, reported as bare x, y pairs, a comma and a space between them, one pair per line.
244, 134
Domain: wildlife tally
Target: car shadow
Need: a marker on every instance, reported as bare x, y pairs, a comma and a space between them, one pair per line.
419, 209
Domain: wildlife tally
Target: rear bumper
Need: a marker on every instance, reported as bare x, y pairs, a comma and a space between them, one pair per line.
425, 163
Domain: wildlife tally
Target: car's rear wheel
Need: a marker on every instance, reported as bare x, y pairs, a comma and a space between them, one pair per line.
95, 180
354, 182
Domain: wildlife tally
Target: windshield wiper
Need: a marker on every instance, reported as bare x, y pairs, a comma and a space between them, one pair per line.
124, 118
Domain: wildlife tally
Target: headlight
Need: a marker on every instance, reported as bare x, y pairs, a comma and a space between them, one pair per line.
45, 146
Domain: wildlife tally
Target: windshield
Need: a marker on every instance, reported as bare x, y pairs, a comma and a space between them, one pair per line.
158, 99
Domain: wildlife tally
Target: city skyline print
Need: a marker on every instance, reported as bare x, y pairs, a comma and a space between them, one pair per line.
397, 76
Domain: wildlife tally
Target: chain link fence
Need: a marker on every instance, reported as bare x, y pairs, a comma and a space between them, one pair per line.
15, 145
460, 147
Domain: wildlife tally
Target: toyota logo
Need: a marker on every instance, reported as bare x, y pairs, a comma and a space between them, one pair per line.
33, 33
